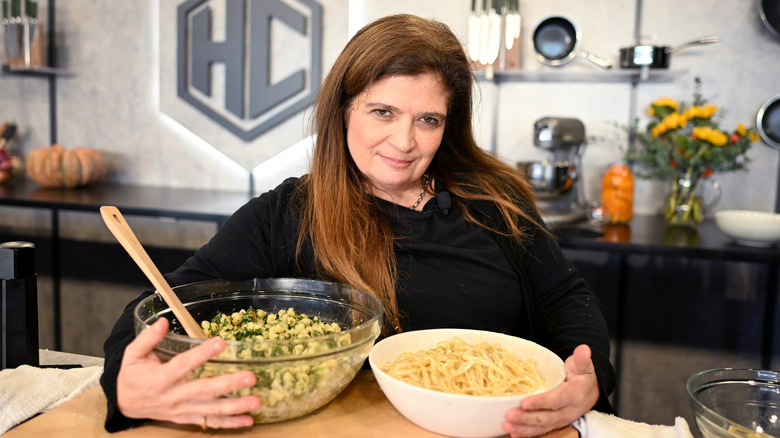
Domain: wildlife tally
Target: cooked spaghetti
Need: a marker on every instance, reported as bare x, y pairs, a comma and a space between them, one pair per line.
460, 368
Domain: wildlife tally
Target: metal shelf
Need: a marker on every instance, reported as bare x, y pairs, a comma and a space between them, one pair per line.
613, 76
51, 74
47, 72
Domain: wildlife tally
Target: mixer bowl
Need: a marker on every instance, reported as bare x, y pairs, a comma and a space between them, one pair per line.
549, 180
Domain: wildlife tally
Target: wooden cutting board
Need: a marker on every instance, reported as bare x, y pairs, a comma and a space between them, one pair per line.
360, 411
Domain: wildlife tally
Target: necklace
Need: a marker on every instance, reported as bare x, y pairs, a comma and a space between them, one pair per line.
422, 192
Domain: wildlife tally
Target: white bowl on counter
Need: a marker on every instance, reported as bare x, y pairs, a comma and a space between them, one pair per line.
457, 415
748, 227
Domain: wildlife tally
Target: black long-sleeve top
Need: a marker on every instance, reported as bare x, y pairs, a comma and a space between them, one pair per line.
451, 274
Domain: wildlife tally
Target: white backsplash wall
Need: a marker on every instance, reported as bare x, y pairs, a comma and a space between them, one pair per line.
111, 102
738, 74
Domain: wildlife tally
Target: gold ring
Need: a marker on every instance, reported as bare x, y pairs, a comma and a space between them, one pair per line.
203, 423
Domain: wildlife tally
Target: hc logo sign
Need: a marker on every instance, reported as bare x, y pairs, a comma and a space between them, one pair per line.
252, 96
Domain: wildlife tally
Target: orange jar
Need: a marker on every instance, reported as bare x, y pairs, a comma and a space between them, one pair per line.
617, 194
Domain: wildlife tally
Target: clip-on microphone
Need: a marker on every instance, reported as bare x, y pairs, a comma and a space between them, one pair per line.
444, 202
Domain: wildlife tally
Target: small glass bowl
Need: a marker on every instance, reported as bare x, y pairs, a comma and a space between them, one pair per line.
736, 403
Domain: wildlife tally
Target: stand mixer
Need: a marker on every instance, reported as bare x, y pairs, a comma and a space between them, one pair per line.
556, 180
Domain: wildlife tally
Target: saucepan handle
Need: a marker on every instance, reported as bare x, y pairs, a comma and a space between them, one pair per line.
598, 60
696, 42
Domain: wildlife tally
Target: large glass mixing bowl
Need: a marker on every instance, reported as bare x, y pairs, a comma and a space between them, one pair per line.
289, 385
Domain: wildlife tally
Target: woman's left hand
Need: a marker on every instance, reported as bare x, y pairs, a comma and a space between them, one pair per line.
541, 413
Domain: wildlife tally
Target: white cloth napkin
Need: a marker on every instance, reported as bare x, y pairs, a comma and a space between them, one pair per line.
26, 390
598, 425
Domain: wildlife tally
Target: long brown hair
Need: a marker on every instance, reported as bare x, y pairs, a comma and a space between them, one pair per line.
352, 240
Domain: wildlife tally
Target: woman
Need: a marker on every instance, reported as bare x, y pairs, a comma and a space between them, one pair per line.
400, 201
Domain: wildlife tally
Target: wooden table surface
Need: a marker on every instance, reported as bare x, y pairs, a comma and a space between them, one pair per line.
361, 410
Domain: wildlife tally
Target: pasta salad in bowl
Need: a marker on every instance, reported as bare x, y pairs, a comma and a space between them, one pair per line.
305, 340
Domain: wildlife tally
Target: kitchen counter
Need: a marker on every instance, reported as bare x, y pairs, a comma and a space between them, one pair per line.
179, 203
361, 410
59, 359
649, 235
163, 202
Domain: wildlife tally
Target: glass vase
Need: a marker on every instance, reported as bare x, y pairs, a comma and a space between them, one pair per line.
684, 206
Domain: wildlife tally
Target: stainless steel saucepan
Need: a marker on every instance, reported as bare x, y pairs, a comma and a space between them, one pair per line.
656, 56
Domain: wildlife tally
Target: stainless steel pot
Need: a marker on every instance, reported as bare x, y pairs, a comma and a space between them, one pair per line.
549, 180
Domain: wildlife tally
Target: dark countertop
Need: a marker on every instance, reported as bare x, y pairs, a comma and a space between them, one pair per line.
212, 205
651, 235
645, 234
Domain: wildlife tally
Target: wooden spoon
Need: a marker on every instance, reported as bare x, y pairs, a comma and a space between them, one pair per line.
121, 230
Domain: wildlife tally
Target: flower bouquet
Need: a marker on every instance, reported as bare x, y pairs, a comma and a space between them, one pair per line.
686, 144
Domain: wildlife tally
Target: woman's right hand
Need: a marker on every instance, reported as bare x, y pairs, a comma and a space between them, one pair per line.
150, 389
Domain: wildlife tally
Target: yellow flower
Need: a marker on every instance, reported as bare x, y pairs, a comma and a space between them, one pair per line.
667, 102
680, 137
708, 134
702, 112
677, 120
670, 122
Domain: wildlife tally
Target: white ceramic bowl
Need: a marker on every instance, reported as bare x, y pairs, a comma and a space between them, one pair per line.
457, 415
752, 228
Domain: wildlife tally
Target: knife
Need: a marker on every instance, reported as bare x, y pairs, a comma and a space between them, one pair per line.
30, 29
13, 30
512, 24
473, 32
31, 9
16, 11
6, 27
484, 33
494, 43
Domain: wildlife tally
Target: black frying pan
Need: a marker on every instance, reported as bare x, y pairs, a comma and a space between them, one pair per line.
769, 11
768, 122
557, 40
